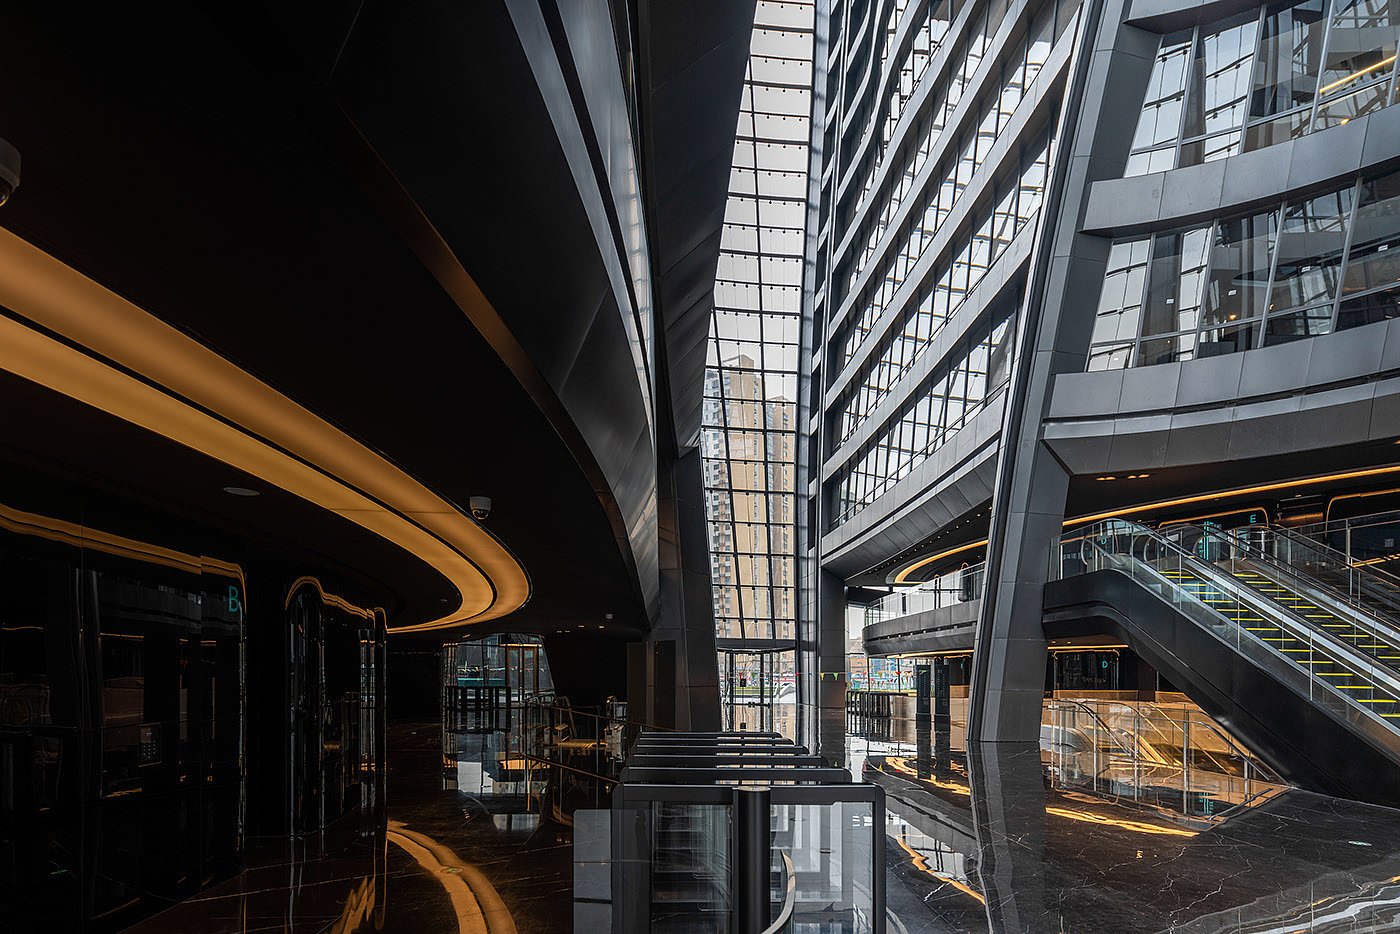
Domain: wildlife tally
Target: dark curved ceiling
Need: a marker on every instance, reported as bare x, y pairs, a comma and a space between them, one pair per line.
164, 162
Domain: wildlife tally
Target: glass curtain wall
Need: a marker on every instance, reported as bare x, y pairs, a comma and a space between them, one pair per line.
1264, 77
1307, 267
750, 417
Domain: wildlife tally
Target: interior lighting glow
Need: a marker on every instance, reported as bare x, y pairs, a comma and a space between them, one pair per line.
191, 395
903, 575
1354, 75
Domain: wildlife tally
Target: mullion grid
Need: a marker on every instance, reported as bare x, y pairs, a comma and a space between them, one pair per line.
882, 371
761, 549
1248, 120
1013, 71
926, 422
1267, 314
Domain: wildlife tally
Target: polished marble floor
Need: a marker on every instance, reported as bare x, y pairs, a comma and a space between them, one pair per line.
459, 852
976, 839
980, 840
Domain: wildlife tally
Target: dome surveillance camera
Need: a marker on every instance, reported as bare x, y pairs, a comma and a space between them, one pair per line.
480, 507
9, 170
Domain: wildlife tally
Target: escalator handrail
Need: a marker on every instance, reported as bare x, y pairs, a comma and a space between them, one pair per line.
1336, 648
1388, 629
1385, 580
1342, 651
1294, 535
1093, 713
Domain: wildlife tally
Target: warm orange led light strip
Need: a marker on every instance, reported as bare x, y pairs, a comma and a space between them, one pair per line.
1354, 75
1134, 825
903, 575
921, 864
71, 533
329, 599
252, 427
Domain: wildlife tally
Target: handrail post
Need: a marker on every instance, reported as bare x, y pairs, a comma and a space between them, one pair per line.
752, 859
1185, 761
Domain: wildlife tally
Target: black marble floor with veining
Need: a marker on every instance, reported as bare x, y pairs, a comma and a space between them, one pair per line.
982, 842
459, 851
976, 839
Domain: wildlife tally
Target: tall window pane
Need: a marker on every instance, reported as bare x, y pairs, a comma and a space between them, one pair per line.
1176, 281
1218, 89
1310, 251
1290, 58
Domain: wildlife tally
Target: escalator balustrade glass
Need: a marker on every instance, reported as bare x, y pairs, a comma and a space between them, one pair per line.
1218, 581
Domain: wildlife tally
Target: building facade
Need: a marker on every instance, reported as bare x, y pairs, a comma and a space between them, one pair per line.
1072, 263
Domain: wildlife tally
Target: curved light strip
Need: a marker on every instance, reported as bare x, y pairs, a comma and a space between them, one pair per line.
252, 427
903, 575
329, 599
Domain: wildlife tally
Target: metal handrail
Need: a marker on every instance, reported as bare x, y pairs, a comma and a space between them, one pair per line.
1383, 730
1261, 603
1206, 722
1379, 574
579, 711
1285, 568
789, 899
1087, 709
1294, 535
1246, 596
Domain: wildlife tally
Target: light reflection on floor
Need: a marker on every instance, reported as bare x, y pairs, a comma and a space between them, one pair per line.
462, 848
983, 840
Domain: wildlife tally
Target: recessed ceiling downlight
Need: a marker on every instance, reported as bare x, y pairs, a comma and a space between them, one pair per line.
241, 491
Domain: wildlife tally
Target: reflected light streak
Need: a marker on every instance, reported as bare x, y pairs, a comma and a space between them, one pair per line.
903, 575
198, 399
328, 599
1131, 825
921, 864
81, 536
901, 764
475, 901
1354, 75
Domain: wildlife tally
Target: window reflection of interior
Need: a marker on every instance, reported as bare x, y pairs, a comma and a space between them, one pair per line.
1311, 266
1261, 78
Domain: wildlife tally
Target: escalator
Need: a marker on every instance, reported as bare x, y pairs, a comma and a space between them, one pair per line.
1304, 600
1307, 678
1368, 589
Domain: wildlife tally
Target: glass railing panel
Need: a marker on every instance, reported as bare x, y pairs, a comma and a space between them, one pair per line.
1172, 758
831, 847
689, 871
960, 586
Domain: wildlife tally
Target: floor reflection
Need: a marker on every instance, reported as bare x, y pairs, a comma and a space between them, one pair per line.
981, 839
462, 848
